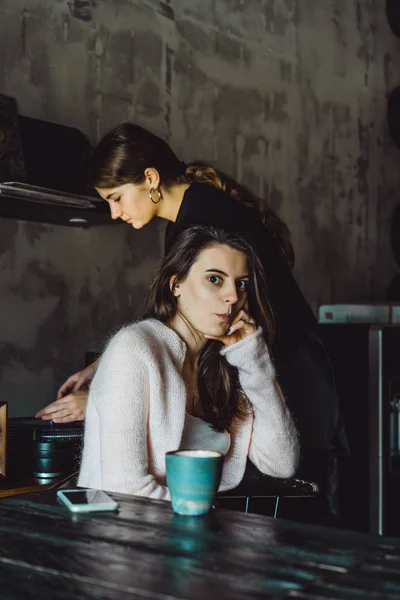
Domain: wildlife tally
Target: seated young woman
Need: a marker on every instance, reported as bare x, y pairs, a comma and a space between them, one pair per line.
195, 373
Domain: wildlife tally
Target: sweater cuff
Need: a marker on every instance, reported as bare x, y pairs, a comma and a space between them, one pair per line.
240, 353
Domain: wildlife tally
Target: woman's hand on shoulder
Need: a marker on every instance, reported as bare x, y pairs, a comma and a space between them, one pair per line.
242, 326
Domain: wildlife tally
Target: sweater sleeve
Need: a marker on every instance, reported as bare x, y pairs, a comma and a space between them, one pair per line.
115, 441
274, 446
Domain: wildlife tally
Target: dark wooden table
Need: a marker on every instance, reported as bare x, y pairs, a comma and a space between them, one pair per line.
16, 485
147, 552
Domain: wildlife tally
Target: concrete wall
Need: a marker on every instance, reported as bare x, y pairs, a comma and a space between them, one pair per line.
289, 96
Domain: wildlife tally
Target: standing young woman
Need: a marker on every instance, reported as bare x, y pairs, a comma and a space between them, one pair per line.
140, 177
195, 374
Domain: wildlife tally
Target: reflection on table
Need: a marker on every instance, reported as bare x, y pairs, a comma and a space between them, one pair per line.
146, 551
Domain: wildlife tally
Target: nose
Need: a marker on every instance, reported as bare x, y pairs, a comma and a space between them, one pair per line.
115, 210
231, 294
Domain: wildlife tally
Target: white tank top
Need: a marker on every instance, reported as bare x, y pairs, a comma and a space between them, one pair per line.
199, 435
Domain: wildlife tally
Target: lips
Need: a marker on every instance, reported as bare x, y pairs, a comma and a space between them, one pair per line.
226, 317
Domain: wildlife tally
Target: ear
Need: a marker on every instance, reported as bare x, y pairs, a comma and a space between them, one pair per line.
174, 287
152, 177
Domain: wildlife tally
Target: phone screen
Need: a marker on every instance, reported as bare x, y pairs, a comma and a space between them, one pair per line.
88, 497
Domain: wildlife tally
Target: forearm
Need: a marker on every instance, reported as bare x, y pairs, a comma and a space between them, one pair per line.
114, 455
131, 477
274, 446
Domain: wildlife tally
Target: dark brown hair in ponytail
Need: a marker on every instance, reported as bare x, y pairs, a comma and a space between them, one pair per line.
123, 155
220, 393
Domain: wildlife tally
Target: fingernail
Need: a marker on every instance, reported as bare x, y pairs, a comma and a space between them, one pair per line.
227, 332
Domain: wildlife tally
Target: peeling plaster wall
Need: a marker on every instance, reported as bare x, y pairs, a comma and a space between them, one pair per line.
289, 96
63, 291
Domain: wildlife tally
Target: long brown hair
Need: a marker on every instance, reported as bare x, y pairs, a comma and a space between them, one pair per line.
123, 155
221, 397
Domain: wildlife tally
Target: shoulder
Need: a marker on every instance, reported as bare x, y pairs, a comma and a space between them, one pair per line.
200, 194
129, 335
205, 204
144, 340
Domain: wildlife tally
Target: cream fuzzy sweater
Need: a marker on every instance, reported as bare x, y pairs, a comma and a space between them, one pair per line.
136, 413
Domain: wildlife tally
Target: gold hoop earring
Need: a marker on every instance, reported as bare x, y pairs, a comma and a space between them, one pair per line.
151, 195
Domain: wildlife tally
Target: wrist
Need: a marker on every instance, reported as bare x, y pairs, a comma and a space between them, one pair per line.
243, 343
250, 354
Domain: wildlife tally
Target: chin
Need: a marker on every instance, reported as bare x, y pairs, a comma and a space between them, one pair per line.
217, 331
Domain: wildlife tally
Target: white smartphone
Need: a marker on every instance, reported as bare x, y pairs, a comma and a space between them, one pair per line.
86, 500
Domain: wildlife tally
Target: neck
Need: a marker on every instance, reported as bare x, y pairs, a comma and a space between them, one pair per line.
194, 340
172, 198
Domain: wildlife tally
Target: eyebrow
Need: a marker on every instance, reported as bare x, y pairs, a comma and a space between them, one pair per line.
223, 273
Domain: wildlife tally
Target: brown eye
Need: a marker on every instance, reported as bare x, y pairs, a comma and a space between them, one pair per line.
242, 285
214, 279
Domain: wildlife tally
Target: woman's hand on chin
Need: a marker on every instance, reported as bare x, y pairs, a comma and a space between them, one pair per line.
242, 326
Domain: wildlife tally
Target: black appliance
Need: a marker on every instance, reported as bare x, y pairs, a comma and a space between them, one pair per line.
43, 449
366, 364
43, 172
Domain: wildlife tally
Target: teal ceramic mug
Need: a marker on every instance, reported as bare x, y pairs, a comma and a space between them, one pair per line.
193, 478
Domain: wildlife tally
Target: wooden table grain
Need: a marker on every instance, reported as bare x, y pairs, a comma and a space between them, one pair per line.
146, 552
